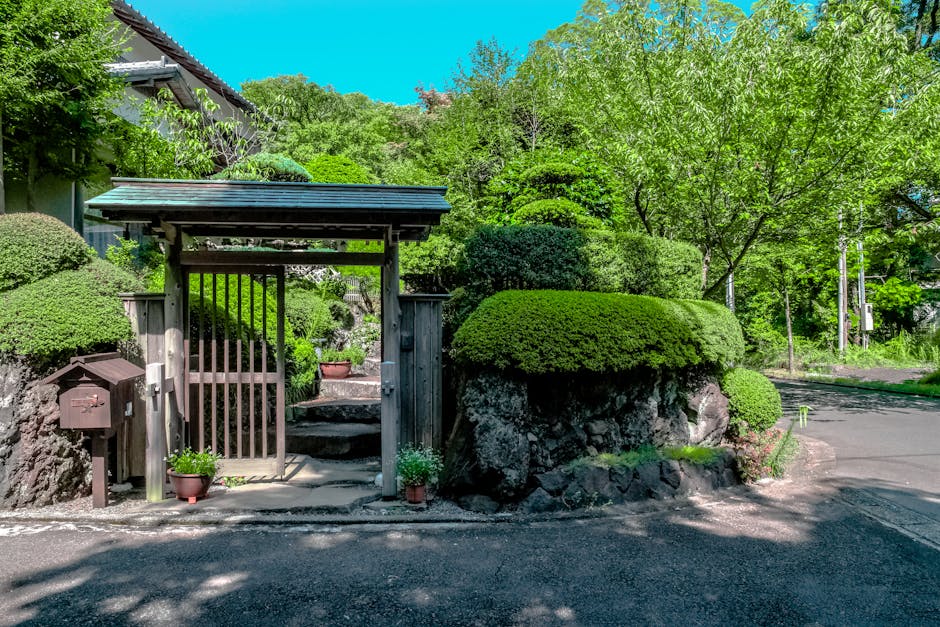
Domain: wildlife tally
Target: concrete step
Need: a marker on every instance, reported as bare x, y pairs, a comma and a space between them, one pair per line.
339, 410
335, 439
356, 386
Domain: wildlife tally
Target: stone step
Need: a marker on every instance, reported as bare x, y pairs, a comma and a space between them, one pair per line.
339, 410
335, 439
371, 367
356, 386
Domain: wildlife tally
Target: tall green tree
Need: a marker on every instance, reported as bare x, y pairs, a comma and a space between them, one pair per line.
726, 128
54, 89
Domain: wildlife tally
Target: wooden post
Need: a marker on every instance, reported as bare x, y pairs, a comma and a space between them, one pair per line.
155, 478
174, 318
391, 352
99, 470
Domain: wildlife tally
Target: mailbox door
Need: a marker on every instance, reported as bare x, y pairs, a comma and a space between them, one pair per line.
85, 406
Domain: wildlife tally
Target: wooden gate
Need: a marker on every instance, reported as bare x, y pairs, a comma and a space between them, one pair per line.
235, 363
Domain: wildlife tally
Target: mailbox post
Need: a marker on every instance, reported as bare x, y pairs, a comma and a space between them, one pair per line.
96, 395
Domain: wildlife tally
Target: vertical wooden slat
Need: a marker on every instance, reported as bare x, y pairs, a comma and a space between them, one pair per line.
238, 370
422, 383
201, 365
212, 386
226, 365
264, 365
436, 352
407, 422
280, 427
251, 366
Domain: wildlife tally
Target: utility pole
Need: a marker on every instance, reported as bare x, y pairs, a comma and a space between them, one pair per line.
843, 287
862, 305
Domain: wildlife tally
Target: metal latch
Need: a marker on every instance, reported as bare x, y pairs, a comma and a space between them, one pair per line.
387, 387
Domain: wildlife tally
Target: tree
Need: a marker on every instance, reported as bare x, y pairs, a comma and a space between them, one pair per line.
725, 129
54, 88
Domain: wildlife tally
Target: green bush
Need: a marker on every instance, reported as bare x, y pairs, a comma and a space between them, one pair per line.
70, 312
309, 315
436, 258
550, 257
545, 331
753, 401
640, 264
556, 212
325, 168
265, 166
524, 257
34, 246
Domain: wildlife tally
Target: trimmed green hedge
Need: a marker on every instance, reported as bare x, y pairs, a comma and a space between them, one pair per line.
265, 166
551, 257
753, 400
309, 314
641, 264
67, 313
547, 331
34, 246
524, 257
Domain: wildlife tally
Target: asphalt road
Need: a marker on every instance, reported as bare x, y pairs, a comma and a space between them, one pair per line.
792, 558
886, 445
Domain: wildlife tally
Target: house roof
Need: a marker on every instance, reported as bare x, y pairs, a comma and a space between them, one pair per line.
166, 44
154, 75
275, 210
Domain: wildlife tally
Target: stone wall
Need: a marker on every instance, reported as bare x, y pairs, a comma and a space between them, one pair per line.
39, 464
511, 428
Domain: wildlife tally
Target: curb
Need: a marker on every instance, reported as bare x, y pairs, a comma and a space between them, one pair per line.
852, 386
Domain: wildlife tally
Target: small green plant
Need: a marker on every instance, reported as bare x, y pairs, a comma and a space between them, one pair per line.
352, 354
647, 454
418, 465
234, 481
191, 462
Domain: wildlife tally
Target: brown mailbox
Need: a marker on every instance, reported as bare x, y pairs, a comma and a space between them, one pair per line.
96, 395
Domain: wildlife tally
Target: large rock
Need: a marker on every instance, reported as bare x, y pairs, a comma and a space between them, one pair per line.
511, 432
707, 410
39, 464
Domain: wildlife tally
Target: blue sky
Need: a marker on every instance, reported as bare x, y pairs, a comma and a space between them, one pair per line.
383, 49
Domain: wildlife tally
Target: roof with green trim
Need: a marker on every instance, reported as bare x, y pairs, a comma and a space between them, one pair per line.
264, 209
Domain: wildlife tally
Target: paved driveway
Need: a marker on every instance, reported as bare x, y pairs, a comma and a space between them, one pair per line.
887, 446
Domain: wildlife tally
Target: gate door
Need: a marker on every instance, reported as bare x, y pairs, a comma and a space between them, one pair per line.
235, 360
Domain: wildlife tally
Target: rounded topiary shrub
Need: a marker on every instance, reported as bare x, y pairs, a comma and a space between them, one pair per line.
558, 212
34, 246
265, 166
67, 313
545, 331
325, 168
753, 400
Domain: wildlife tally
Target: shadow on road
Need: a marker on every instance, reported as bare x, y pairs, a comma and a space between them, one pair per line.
849, 400
786, 553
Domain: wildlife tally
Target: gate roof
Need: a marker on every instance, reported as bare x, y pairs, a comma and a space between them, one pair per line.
275, 210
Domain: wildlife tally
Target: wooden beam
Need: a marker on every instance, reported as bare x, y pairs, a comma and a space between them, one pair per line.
155, 478
287, 258
174, 318
391, 373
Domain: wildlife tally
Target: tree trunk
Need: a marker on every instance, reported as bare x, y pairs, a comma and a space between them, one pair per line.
3, 193
786, 306
32, 166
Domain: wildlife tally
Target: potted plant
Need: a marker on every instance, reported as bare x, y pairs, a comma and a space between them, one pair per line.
191, 473
337, 364
417, 466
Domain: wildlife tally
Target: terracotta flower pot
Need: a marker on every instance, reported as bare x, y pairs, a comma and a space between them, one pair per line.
415, 493
190, 487
335, 369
